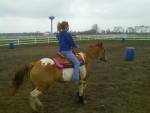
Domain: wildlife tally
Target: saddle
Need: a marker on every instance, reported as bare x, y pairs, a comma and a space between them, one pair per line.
62, 62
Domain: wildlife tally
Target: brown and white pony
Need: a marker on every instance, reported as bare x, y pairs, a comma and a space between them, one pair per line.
44, 72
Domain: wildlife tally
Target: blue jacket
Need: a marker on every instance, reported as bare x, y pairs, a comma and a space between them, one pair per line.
66, 42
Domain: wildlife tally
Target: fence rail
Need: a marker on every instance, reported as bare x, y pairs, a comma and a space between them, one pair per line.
46, 39
25, 40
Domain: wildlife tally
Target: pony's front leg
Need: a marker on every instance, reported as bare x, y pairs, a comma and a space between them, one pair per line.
35, 102
82, 86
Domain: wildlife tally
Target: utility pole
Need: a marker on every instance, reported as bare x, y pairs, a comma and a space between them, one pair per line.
51, 18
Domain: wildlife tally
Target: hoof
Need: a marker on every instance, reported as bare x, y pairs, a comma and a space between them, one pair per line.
36, 107
83, 102
81, 99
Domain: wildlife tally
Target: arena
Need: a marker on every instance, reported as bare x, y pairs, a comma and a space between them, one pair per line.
117, 86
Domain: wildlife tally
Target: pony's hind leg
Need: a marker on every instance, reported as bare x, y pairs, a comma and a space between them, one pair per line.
80, 94
34, 101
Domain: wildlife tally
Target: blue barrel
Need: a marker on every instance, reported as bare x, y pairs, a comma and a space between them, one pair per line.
11, 45
130, 54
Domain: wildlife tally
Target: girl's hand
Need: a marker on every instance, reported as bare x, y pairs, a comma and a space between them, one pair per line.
75, 50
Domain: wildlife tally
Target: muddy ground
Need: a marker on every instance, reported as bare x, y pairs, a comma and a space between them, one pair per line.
115, 87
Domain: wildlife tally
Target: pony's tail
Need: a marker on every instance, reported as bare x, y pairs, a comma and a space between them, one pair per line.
19, 77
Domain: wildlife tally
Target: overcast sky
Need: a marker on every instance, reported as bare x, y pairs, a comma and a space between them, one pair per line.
32, 15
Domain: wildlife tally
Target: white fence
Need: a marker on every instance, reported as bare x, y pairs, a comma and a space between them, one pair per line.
112, 37
26, 40
20, 40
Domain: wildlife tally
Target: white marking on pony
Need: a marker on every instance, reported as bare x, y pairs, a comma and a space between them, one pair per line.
82, 86
82, 55
46, 61
67, 73
34, 100
35, 93
82, 72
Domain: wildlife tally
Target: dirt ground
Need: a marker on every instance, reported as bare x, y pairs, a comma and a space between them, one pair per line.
117, 86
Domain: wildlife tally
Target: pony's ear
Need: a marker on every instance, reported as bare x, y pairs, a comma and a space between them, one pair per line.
100, 44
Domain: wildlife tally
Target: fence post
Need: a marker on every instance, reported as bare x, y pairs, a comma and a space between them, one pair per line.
80, 38
48, 39
35, 40
18, 42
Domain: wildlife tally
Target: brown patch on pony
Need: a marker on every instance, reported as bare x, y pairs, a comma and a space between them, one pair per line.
100, 44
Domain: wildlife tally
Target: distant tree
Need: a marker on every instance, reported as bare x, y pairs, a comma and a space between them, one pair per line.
118, 29
108, 31
103, 31
130, 30
92, 31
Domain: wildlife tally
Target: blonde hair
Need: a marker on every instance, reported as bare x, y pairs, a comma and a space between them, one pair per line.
62, 26
59, 27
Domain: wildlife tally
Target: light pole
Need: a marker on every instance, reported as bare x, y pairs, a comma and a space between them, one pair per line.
51, 18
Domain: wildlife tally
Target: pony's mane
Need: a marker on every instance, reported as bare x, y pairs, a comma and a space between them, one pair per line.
90, 49
99, 44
